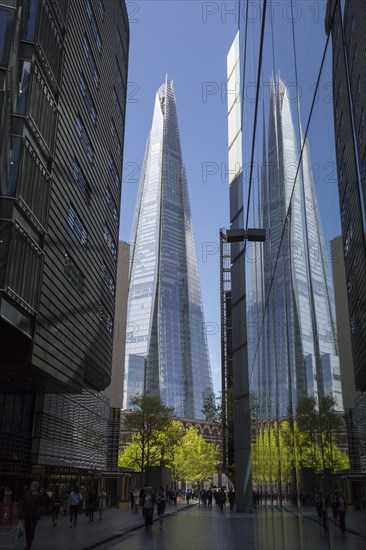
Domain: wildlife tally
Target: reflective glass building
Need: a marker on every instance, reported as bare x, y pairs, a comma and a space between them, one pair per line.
166, 348
297, 355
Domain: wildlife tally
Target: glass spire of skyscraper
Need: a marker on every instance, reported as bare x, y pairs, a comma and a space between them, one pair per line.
297, 353
166, 347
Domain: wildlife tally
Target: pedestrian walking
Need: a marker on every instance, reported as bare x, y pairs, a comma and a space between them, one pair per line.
334, 503
55, 506
30, 511
221, 499
136, 500
342, 511
74, 502
148, 507
161, 500
102, 496
231, 497
93, 504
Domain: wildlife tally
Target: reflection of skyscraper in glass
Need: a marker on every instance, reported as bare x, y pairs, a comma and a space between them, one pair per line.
297, 354
166, 348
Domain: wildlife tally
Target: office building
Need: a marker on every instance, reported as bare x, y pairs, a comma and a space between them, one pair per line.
166, 347
62, 109
347, 30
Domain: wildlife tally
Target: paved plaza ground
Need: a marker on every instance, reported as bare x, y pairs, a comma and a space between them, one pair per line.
198, 528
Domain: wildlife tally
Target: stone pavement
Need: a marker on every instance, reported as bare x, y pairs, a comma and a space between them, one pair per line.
208, 529
195, 528
85, 535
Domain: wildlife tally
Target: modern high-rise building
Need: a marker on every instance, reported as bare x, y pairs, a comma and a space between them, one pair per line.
345, 23
166, 347
297, 353
63, 70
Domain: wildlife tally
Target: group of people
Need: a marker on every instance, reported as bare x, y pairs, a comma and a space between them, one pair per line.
336, 500
146, 499
219, 496
34, 504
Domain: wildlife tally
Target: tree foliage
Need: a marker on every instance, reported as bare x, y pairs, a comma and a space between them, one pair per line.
308, 441
148, 419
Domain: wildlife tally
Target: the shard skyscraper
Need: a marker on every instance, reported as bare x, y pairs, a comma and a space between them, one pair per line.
295, 355
166, 347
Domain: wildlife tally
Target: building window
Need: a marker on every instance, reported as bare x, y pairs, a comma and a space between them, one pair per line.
94, 26
81, 132
119, 76
363, 171
113, 170
81, 181
108, 279
89, 103
74, 274
345, 204
340, 133
339, 100
77, 227
121, 49
352, 277
109, 240
91, 62
342, 167
361, 128
354, 65
357, 96
101, 8
111, 205
348, 239
117, 107
106, 319
116, 140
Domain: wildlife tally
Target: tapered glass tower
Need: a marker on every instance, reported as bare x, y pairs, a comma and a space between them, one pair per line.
166, 347
297, 355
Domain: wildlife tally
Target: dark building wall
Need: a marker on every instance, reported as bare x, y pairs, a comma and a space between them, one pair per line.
59, 212
349, 85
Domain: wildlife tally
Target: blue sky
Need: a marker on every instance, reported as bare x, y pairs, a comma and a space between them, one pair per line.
189, 41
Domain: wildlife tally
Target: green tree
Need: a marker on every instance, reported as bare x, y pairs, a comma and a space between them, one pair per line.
149, 418
194, 459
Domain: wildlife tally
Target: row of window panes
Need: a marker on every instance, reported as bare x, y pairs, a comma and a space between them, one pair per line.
50, 39
348, 239
106, 319
101, 8
113, 170
119, 75
117, 107
94, 26
111, 205
81, 181
89, 103
81, 132
116, 139
77, 227
74, 274
108, 279
91, 62
361, 128
109, 240
352, 276
120, 47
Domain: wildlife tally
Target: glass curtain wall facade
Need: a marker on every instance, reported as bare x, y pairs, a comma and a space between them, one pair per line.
299, 355
166, 347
